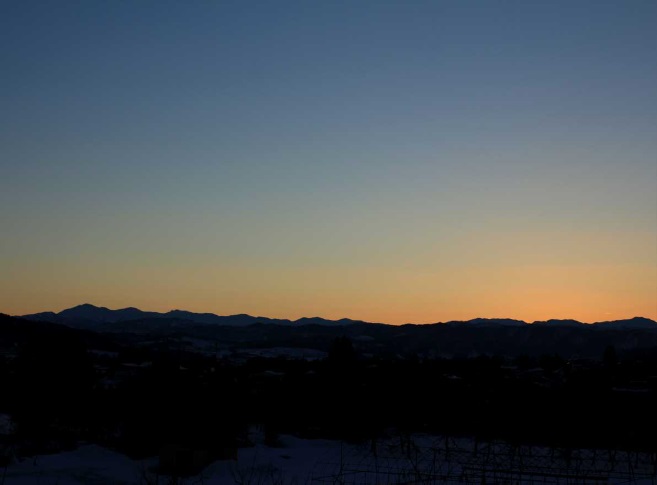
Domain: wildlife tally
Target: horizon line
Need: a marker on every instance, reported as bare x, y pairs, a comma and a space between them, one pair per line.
336, 319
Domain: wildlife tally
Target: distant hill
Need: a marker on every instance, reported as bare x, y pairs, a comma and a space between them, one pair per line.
492, 322
480, 336
16, 330
94, 317
629, 324
559, 323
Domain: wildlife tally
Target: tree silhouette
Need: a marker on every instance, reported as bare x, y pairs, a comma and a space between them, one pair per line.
610, 357
342, 353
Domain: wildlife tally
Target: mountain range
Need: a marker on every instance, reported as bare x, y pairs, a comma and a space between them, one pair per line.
91, 316
87, 315
206, 332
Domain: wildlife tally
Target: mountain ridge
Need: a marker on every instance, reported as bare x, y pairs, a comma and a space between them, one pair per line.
88, 315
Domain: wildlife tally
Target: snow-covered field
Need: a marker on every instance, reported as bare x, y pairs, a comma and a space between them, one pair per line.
420, 459
292, 463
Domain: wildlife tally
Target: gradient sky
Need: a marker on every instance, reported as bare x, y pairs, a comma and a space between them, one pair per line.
401, 161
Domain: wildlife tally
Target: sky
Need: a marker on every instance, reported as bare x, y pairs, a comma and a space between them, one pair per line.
390, 161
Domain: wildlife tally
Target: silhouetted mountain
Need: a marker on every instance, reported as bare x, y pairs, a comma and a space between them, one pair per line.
481, 336
324, 321
492, 322
91, 316
51, 317
559, 323
87, 315
96, 314
631, 323
210, 318
16, 330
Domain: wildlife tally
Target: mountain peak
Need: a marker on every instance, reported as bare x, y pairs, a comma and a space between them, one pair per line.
629, 323
506, 322
556, 322
85, 306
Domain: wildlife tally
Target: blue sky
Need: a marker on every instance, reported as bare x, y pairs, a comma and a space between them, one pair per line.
334, 158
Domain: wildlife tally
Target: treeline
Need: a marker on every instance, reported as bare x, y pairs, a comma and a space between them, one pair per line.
137, 399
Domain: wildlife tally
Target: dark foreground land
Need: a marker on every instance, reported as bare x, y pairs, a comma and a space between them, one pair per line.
137, 394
